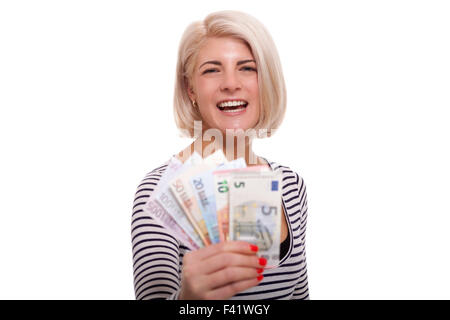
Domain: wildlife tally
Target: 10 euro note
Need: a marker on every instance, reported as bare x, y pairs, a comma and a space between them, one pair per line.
203, 186
221, 190
255, 211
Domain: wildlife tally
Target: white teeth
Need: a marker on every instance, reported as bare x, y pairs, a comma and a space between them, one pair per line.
231, 103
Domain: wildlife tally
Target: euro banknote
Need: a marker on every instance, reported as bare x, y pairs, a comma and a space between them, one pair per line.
203, 186
184, 193
255, 211
221, 191
205, 201
163, 203
157, 212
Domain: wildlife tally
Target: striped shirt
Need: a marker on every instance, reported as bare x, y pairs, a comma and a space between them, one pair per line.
158, 255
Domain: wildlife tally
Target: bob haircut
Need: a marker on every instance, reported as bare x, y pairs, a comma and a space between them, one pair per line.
236, 24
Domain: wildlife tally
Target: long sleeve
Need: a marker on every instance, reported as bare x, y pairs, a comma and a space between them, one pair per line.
157, 255
301, 290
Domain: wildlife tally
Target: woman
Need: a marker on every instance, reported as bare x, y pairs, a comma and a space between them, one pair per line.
229, 77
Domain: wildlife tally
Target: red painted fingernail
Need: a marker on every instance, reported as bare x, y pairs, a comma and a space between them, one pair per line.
260, 277
260, 270
253, 248
262, 261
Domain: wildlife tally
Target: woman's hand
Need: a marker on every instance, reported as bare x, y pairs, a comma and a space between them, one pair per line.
220, 271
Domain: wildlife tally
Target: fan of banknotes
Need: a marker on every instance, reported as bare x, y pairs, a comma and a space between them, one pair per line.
206, 201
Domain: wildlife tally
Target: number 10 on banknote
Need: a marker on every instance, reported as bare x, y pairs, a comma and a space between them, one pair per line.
255, 212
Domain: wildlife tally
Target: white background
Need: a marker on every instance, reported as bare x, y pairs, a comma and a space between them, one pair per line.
86, 90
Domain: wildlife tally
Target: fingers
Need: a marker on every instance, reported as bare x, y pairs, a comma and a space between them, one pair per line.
230, 290
232, 274
227, 246
221, 270
230, 259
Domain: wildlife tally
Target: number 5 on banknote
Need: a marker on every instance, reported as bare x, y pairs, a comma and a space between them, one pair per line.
255, 212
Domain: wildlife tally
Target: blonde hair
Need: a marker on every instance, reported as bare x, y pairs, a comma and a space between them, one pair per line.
236, 24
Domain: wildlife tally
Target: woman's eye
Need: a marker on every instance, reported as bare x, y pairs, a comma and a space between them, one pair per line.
216, 70
209, 70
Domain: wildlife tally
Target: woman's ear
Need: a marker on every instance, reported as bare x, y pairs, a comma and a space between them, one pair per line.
190, 90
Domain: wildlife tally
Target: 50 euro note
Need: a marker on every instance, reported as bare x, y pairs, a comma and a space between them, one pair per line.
255, 211
221, 191
164, 208
203, 186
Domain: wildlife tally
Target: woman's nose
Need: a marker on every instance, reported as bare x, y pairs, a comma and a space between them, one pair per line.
231, 82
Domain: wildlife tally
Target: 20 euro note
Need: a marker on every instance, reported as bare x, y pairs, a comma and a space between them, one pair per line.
184, 193
221, 191
255, 211
202, 189
203, 186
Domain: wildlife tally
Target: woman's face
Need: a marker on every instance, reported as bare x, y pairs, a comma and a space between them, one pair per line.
225, 72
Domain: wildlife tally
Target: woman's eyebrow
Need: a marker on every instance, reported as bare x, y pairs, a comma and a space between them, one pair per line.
219, 63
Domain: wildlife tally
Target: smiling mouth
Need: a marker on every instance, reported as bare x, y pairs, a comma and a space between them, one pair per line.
232, 108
